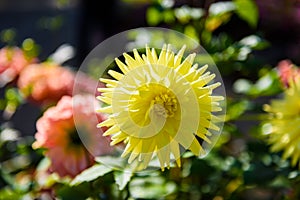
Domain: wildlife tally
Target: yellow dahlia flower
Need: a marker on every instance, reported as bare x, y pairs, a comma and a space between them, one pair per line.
159, 104
283, 128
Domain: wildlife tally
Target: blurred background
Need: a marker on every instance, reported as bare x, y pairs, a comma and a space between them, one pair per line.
247, 39
84, 24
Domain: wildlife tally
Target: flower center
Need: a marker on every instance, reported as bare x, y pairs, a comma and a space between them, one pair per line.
164, 104
74, 138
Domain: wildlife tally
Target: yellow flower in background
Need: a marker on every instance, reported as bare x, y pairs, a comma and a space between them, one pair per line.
160, 105
283, 128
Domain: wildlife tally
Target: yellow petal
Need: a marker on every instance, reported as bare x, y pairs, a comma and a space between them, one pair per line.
162, 56
118, 137
108, 122
106, 100
131, 63
105, 89
106, 109
115, 74
185, 66
122, 66
179, 56
196, 148
175, 151
112, 130
110, 82
137, 57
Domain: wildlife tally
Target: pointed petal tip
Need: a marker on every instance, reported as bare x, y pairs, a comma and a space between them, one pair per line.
183, 48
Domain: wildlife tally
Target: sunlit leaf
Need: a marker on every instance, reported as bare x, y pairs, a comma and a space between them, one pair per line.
221, 8
255, 42
182, 14
115, 162
167, 3
191, 32
122, 178
169, 16
150, 187
185, 13
153, 16
242, 86
236, 109
9, 194
91, 174
247, 10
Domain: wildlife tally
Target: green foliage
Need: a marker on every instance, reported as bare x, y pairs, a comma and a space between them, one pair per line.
203, 25
236, 109
265, 86
8, 194
122, 178
151, 187
80, 192
8, 36
240, 166
153, 16
91, 174
12, 99
31, 49
248, 11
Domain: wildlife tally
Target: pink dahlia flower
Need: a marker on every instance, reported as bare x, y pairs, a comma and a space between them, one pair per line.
71, 149
287, 71
12, 62
46, 83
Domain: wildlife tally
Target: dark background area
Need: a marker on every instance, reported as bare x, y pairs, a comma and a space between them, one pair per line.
85, 23
82, 24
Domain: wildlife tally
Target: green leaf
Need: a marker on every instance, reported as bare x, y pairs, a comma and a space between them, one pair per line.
153, 16
9, 194
266, 85
122, 178
169, 16
247, 10
191, 32
236, 109
254, 42
151, 187
185, 13
79, 192
91, 174
8, 36
114, 162
242, 86
221, 8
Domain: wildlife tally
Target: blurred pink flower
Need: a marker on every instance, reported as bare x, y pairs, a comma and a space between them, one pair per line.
86, 84
56, 132
46, 83
287, 71
12, 62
